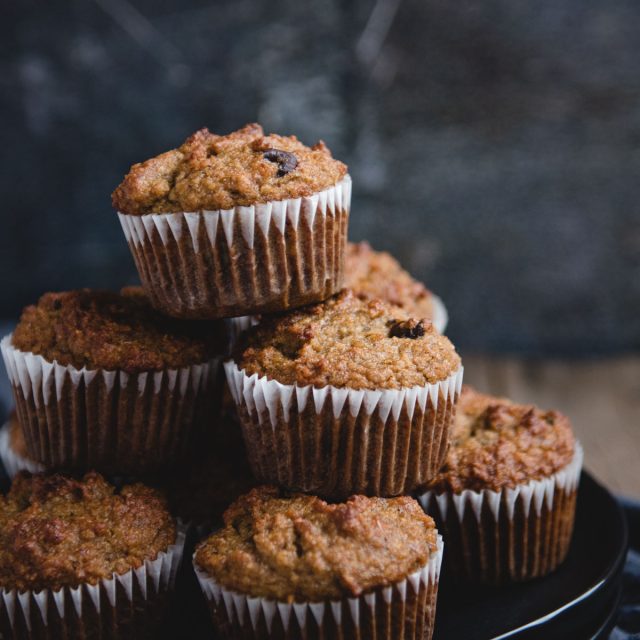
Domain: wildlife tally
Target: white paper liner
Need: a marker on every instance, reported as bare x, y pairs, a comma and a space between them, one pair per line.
511, 535
533, 494
12, 461
41, 387
414, 420
28, 609
440, 317
241, 610
235, 232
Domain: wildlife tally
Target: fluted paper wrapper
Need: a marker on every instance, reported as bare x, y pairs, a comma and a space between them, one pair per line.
338, 442
110, 421
127, 605
512, 535
233, 262
12, 461
404, 610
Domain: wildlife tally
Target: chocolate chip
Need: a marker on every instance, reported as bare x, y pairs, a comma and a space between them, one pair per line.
406, 328
286, 161
57, 305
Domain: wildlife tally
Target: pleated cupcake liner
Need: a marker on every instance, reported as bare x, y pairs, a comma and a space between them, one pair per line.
440, 317
117, 423
245, 260
405, 609
11, 460
127, 605
338, 442
512, 535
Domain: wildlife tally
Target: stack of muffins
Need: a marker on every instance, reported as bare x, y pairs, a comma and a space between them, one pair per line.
322, 484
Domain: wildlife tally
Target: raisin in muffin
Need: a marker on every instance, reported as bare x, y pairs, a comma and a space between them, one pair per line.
230, 225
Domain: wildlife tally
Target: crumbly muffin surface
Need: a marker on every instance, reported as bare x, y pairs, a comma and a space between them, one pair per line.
499, 444
377, 274
348, 342
57, 531
106, 330
300, 548
212, 172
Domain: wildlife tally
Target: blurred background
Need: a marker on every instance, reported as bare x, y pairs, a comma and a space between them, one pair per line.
494, 147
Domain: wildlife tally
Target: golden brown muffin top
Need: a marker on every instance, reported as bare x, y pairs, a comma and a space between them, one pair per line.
300, 548
377, 274
106, 330
16, 436
347, 342
57, 531
212, 172
499, 444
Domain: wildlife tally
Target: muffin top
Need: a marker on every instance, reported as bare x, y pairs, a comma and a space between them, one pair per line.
300, 548
377, 274
499, 444
106, 330
347, 341
212, 172
57, 531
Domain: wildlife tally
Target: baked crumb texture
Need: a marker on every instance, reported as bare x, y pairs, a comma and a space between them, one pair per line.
80, 559
377, 274
331, 403
124, 420
505, 498
298, 554
232, 225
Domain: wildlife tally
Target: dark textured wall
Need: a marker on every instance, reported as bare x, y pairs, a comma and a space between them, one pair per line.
494, 146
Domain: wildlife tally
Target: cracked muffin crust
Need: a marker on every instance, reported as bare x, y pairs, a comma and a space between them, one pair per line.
209, 172
106, 330
57, 531
301, 548
496, 444
377, 274
350, 342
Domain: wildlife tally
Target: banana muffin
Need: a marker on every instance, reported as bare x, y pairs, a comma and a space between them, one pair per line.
103, 381
81, 537
510, 468
348, 396
13, 448
297, 552
228, 225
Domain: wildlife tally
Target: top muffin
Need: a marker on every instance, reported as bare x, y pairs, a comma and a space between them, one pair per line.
57, 531
106, 330
377, 274
212, 172
348, 342
498, 444
300, 548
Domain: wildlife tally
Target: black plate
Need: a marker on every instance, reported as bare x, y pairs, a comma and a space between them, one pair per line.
575, 602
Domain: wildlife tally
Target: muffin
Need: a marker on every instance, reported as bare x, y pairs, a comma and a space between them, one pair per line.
295, 566
13, 448
348, 396
377, 274
102, 381
505, 498
231, 225
78, 559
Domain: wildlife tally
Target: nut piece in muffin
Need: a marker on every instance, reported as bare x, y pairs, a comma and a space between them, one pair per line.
106, 330
350, 342
505, 498
57, 531
299, 548
377, 274
210, 172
